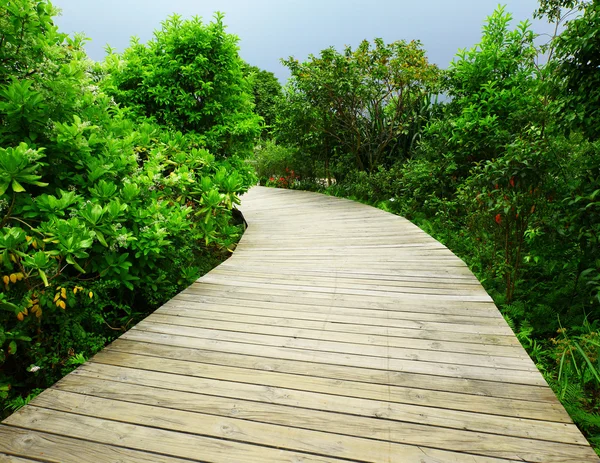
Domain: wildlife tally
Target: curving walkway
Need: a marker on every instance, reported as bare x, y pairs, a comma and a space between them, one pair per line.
336, 332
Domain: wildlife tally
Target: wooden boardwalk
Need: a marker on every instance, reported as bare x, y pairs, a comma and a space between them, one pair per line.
336, 332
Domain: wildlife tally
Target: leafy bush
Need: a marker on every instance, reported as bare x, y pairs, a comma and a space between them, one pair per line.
273, 162
188, 77
266, 91
358, 109
106, 211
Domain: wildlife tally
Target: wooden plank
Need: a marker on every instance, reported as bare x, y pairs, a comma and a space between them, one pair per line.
345, 306
315, 280
334, 442
379, 319
150, 439
324, 293
323, 341
223, 449
432, 276
525, 377
4, 458
478, 295
348, 288
265, 378
332, 319
324, 413
362, 334
31, 445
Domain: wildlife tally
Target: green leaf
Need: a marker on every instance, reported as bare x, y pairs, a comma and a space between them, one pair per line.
74, 263
100, 237
9, 307
43, 277
591, 367
12, 348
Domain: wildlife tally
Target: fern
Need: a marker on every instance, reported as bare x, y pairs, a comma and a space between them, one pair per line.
18, 402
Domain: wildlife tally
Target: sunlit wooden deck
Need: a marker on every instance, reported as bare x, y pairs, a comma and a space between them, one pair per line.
336, 332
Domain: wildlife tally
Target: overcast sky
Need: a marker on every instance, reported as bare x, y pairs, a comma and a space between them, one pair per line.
274, 29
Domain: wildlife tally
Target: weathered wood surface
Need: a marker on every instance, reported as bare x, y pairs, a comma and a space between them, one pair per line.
336, 332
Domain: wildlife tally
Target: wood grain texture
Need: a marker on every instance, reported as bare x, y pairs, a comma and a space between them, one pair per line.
336, 332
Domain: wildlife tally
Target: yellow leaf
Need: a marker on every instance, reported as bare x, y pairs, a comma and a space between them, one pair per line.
63, 293
91, 294
6, 279
75, 290
20, 316
61, 304
56, 296
13, 278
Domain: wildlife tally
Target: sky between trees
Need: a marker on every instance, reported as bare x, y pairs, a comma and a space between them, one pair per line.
274, 29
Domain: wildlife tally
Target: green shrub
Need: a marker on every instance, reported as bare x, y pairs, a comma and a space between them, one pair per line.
281, 166
105, 213
188, 77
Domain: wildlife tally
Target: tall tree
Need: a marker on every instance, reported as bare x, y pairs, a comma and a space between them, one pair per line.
370, 101
266, 90
577, 72
190, 77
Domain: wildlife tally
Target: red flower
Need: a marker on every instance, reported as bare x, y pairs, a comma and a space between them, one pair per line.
498, 219
271, 179
512, 182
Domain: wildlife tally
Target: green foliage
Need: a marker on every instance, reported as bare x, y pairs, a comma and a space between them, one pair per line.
106, 213
554, 10
362, 107
17, 168
577, 76
273, 162
190, 78
492, 86
27, 35
267, 91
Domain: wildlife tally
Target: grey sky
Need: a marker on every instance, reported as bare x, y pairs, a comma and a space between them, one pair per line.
273, 29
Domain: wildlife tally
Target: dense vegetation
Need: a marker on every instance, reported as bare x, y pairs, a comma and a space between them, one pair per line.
117, 182
118, 179
498, 157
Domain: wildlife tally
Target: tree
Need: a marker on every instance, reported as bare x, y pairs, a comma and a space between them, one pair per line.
40, 71
492, 90
189, 77
578, 79
267, 92
493, 136
370, 103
